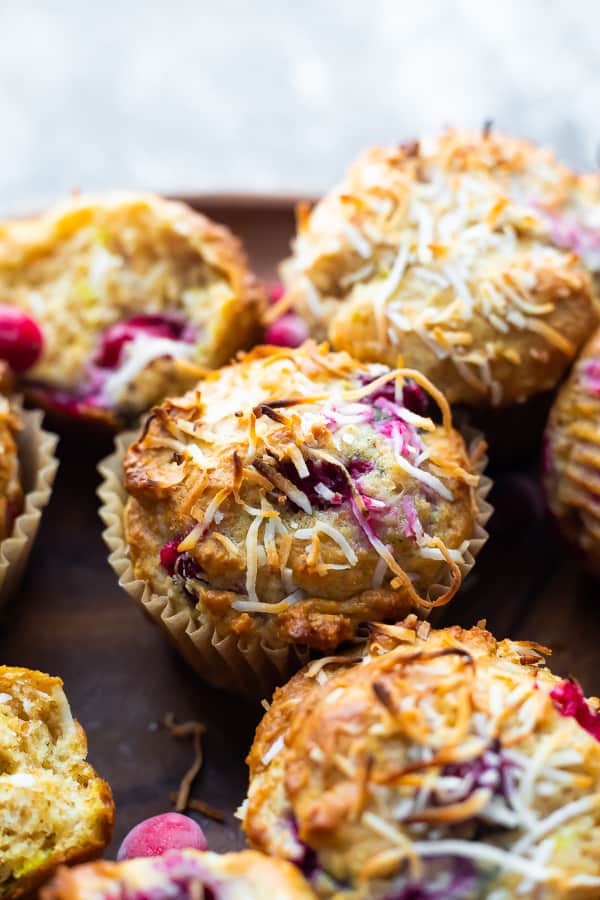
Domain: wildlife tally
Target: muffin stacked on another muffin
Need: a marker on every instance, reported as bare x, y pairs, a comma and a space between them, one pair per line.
297, 494
443, 253
132, 294
572, 455
53, 806
183, 874
436, 764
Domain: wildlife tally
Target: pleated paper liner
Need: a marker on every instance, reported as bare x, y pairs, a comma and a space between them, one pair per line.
239, 665
38, 465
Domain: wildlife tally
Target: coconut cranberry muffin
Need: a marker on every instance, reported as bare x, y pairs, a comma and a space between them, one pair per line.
297, 494
434, 764
185, 874
11, 491
572, 455
53, 806
443, 253
123, 297
576, 223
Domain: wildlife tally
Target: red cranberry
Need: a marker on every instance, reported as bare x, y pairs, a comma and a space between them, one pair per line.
113, 339
21, 339
153, 837
288, 331
275, 291
169, 555
569, 700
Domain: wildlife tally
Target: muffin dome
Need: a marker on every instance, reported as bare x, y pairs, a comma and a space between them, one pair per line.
572, 455
183, 873
441, 253
437, 764
297, 494
132, 294
53, 806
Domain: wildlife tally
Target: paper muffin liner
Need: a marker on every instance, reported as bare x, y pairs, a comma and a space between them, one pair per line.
38, 465
239, 665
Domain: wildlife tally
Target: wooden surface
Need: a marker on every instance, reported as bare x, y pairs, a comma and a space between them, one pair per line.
71, 619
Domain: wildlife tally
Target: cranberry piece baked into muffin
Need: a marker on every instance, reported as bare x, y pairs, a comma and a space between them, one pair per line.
436, 764
53, 806
130, 294
572, 455
183, 875
446, 253
297, 494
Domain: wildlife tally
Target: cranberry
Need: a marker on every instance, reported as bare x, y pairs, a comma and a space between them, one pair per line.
169, 555
415, 398
569, 700
153, 837
275, 291
114, 338
288, 331
21, 339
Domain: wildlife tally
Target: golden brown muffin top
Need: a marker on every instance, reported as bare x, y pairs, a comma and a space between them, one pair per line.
572, 454
297, 493
231, 876
441, 252
435, 760
95, 261
53, 807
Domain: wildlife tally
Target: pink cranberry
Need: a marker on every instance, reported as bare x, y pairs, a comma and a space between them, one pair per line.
153, 837
288, 331
21, 339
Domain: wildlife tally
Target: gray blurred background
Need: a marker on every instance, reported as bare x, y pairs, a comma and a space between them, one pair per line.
276, 96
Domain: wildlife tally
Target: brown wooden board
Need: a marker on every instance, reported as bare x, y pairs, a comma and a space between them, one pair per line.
71, 619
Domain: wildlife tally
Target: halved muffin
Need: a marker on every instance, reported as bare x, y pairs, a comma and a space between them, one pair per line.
53, 806
185, 875
297, 494
133, 296
572, 455
433, 764
442, 254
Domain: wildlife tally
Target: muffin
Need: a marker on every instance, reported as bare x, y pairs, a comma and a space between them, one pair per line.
53, 806
440, 254
131, 296
27, 468
182, 873
571, 460
434, 764
11, 490
297, 494
576, 223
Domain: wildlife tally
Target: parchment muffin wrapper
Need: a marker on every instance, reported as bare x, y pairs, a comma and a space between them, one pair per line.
38, 465
246, 666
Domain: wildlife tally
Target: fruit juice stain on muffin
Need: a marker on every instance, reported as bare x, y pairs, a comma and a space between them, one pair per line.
445, 251
431, 763
296, 494
124, 298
